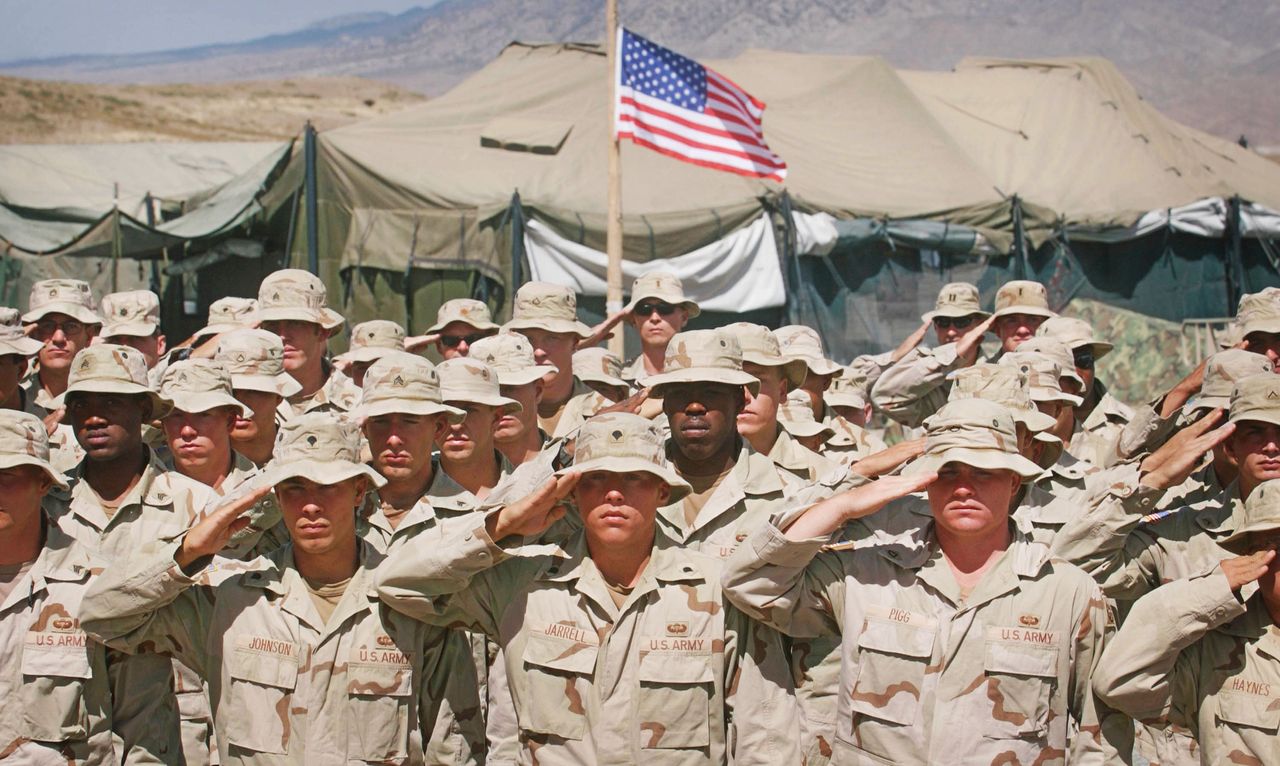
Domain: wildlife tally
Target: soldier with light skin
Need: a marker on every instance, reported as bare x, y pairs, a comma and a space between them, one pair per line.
255, 359
199, 427
467, 451
291, 304
658, 310
63, 319
133, 320
16, 350
521, 379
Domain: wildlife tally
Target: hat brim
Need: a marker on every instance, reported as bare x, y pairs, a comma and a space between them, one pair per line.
601, 379
129, 329
1034, 420
367, 354
1271, 326
501, 402
325, 472
373, 409
13, 461
675, 300
481, 326
73, 310
824, 367
23, 346
326, 318
207, 401
1235, 541
525, 375
679, 487
221, 327
794, 370
989, 459
805, 428
954, 313
844, 400
1044, 395
160, 406
282, 384
1262, 417
566, 326
1035, 311
658, 383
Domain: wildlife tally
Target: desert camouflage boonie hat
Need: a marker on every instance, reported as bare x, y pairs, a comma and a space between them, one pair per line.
1002, 385
795, 415
294, 294
510, 354
760, 346
321, 447
24, 441
974, 432
373, 340
547, 306
106, 368
200, 385
403, 383
1044, 376
1259, 312
848, 389
804, 343
255, 359
1256, 398
597, 365
228, 314
956, 299
1074, 333
463, 379
1261, 515
1056, 350
61, 296
702, 356
619, 442
1222, 372
12, 339
135, 313
1023, 296
465, 310
663, 286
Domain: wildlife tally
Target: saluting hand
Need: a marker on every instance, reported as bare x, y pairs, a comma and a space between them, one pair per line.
834, 512
969, 344
631, 404
1242, 570
214, 529
1170, 465
889, 458
603, 330
534, 514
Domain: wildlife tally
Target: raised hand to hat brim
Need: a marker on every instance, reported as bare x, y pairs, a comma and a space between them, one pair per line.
887, 459
1170, 465
912, 340
534, 514
214, 529
631, 404
602, 331
415, 343
1242, 570
54, 419
829, 515
1183, 390
969, 344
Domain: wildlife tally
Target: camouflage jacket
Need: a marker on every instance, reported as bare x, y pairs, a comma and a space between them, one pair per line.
850, 442
1096, 439
916, 386
1063, 492
577, 408
53, 678
370, 685
1194, 654
671, 677
450, 498
338, 394
1002, 677
798, 465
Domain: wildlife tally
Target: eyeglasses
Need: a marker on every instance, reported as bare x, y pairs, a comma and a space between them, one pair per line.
47, 327
1084, 360
452, 341
946, 323
648, 307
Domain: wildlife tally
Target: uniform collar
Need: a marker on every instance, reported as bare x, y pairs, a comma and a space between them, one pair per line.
280, 576
789, 453
449, 496
1108, 409
153, 488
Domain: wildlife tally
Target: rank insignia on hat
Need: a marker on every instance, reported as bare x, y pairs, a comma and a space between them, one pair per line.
86, 363
312, 440
1272, 394
617, 435
397, 381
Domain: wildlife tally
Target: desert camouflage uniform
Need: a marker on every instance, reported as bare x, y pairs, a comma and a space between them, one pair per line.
65, 451
928, 676
850, 442
798, 465
286, 688
917, 386
56, 708
1196, 656
583, 402
338, 394
1096, 438
671, 677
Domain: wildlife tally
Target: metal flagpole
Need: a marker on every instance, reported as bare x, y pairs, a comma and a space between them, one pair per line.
613, 237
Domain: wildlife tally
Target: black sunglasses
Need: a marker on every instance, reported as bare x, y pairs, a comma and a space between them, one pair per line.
1084, 360
647, 308
452, 341
959, 323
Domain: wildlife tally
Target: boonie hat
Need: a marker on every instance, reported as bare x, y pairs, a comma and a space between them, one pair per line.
663, 286
404, 383
106, 368
547, 306
800, 342
12, 339
24, 441
134, 313
849, 389
1222, 372
294, 294
1256, 398
597, 365
373, 340
760, 346
463, 379
974, 432
956, 299
620, 442
321, 447
795, 415
1074, 333
1044, 376
1056, 350
465, 310
200, 385
702, 356
510, 354
1002, 385
255, 359
1261, 514
61, 296
230, 313
1023, 296
1258, 312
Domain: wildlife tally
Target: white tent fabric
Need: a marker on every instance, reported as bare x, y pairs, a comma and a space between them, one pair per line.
737, 273
1203, 218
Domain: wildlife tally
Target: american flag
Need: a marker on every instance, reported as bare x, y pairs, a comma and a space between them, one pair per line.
678, 107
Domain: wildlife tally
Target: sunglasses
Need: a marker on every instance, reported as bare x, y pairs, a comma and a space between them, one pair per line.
648, 307
1084, 360
47, 327
452, 341
946, 323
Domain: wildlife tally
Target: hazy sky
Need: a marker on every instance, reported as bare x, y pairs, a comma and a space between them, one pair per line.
43, 28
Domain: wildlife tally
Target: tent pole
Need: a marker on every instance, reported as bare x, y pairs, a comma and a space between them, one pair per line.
613, 236
309, 156
115, 238
1235, 286
155, 266
517, 245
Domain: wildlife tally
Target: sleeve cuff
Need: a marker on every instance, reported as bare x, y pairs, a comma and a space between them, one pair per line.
772, 547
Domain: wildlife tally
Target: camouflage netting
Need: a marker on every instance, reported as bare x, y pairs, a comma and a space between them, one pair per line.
1150, 354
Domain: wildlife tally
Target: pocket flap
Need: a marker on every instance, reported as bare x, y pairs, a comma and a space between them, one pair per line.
63, 655
1009, 651
673, 668
1249, 710
897, 638
380, 680
266, 669
560, 654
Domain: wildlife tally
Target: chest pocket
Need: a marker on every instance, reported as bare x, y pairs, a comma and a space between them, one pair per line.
558, 673
1021, 676
1245, 712
892, 661
379, 697
257, 699
674, 700
55, 668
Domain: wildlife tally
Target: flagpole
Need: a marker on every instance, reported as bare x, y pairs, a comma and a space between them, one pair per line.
613, 236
